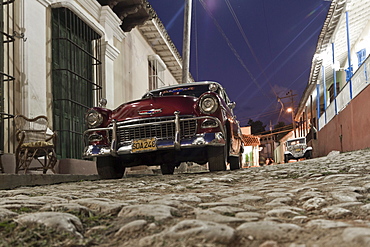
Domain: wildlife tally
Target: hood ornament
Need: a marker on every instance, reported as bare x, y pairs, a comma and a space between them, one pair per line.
150, 112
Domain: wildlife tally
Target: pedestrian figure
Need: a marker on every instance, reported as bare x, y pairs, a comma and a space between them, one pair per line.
262, 160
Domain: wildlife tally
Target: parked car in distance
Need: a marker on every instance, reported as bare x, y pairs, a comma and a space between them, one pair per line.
296, 149
192, 122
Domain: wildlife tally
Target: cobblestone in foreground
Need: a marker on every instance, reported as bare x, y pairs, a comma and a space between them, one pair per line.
318, 202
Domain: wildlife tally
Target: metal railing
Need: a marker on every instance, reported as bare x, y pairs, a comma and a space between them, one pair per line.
358, 82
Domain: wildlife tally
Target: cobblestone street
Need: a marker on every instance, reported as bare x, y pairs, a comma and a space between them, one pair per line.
318, 202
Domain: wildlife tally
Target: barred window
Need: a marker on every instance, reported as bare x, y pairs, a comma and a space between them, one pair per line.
7, 78
156, 67
76, 78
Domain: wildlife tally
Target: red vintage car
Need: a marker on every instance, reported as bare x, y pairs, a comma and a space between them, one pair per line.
192, 122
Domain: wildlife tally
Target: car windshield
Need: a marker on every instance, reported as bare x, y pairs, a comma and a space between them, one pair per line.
193, 90
295, 142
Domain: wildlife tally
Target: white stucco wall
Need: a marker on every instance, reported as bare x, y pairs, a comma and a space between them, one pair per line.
33, 86
250, 156
131, 68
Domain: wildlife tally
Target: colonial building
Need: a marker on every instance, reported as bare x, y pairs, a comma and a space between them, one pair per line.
60, 57
251, 144
333, 112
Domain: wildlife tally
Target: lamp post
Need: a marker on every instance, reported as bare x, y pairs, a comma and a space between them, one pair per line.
186, 42
291, 109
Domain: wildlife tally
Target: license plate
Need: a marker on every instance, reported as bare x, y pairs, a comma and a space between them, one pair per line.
143, 145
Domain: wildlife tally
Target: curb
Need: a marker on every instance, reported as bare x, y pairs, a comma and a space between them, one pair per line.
11, 181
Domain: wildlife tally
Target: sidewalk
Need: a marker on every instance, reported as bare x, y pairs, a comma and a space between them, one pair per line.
11, 181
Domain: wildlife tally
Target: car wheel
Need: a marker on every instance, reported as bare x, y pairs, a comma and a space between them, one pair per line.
308, 154
109, 167
167, 169
235, 162
286, 158
217, 158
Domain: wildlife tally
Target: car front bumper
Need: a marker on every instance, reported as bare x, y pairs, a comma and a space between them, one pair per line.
117, 148
201, 140
298, 154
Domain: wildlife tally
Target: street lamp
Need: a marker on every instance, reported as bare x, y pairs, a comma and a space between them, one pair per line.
290, 109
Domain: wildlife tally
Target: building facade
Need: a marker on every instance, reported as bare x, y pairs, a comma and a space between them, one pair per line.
332, 113
250, 156
60, 57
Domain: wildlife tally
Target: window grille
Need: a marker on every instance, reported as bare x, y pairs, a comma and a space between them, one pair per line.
156, 74
7, 78
76, 79
153, 78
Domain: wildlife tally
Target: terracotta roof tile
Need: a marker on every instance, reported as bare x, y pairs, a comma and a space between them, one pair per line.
251, 140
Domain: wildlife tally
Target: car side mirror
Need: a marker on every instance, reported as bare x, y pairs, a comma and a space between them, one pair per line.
231, 105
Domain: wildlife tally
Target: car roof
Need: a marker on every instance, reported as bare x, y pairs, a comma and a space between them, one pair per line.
187, 85
294, 139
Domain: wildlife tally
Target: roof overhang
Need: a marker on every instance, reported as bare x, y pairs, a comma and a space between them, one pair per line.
156, 35
131, 12
251, 140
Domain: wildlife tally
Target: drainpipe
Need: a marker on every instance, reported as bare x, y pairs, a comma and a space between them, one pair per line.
349, 54
341, 139
318, 104
324, 91
311, 122
335, 80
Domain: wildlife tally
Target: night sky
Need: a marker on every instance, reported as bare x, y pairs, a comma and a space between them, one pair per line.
257, 49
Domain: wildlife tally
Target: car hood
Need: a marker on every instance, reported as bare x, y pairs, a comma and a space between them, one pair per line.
297, 146
155, 107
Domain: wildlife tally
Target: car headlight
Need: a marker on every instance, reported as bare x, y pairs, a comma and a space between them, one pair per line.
208, 104
93, 119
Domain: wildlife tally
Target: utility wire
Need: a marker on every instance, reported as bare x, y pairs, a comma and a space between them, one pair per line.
269, 42
273, 133
261, 115
285, 48
232, 47
295, 38
247, 42
285, 62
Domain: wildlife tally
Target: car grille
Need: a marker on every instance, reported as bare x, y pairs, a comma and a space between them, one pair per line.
161, 128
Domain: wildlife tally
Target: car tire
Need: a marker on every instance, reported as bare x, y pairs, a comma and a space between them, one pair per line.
308, 154
167, 169
109, 167
217, 158
286, 158
235, 162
